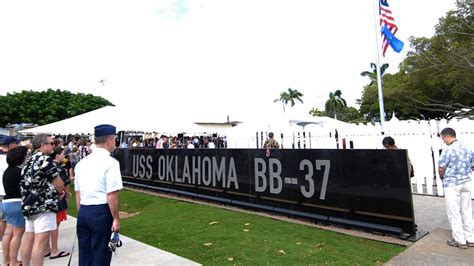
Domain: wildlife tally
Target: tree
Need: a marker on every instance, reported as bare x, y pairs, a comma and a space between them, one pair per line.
441, 68
335, 103
351, 115
294, 95
394, 86
315, 112
46, 106
373, 74
289, 96
283, 99
346, 114
369, 105
436, 79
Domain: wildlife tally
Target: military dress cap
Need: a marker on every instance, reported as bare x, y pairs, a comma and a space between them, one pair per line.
7, 140
104, 130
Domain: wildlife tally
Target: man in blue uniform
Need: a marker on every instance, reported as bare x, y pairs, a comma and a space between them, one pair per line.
97, 184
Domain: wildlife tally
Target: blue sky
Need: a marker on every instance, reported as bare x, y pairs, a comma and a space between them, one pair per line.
206, 58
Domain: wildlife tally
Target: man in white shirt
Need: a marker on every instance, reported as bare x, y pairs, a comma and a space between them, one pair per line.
190, 143
97, 184
210, 144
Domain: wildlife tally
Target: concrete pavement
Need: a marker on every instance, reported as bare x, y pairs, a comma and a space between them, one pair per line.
132, 252
430, 215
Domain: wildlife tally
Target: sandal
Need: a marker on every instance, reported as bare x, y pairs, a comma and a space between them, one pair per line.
60, 255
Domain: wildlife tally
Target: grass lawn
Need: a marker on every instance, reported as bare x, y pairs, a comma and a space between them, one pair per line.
214, 236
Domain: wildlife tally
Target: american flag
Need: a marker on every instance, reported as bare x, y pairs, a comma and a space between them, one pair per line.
386, 18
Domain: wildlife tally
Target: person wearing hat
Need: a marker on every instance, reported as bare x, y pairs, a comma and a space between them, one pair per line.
97, 183
7, 143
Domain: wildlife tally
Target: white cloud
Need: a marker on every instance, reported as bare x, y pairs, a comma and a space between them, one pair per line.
174, 9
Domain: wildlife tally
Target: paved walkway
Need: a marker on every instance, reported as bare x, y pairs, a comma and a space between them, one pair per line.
430, 215
132, 252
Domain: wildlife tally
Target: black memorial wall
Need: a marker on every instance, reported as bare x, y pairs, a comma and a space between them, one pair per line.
367, 189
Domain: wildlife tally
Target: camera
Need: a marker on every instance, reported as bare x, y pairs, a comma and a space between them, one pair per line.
115, 242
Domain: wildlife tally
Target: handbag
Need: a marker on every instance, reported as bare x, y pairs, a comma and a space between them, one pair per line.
28, 203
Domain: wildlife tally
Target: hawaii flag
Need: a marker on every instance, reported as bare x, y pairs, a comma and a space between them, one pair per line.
388, 28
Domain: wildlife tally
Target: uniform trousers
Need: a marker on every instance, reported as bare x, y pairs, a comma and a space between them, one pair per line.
459, 209
94, 223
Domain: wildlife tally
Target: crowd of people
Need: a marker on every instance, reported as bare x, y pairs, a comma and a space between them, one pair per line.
81, 145
35, 193
175, 142
35, 176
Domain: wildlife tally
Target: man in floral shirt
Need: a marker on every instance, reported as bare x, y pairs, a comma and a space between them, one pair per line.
455, 168
271, 142
41, 189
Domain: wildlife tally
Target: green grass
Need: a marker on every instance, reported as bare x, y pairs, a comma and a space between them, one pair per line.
183, 228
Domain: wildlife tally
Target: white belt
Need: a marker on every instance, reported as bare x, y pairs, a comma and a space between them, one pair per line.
11, 200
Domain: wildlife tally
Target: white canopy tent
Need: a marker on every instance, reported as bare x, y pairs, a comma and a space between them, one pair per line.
123, 119
288, 130
322, 121
244, 135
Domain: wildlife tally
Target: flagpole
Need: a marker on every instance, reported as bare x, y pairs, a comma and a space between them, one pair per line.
379, 76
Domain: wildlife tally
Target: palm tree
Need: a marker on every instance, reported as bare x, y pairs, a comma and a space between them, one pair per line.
335, 102
294, 95
289, 96
373, 74
283, 99
315, 112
